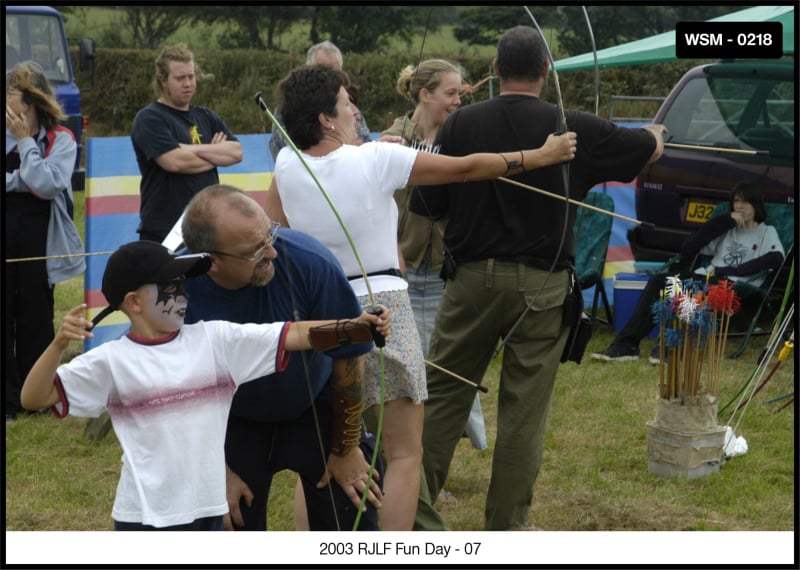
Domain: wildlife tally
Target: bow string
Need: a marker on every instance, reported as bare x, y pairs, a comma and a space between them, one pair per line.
596, 66
561, 128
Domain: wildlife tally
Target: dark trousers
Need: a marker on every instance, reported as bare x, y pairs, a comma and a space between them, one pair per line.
28, 294
641, 320
255, 451
207, 523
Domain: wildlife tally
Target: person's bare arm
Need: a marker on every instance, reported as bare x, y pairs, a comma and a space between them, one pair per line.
274, 206
346, 462
235, 490
183, 161
432, 169
39, 390
658, 133
220, 151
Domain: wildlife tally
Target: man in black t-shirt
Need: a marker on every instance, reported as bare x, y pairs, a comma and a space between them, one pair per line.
501, 245
178, 145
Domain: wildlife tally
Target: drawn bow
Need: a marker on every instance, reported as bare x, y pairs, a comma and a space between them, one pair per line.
561, 128
263, 106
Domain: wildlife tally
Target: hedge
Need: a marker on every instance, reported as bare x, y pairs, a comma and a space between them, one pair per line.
123, 84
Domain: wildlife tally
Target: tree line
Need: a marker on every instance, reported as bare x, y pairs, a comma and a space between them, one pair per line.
368, 28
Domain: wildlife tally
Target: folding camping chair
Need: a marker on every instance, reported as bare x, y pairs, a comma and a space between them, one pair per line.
592, 234
777, 282
765, 287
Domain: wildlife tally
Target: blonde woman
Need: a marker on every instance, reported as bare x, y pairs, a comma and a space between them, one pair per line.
434, 87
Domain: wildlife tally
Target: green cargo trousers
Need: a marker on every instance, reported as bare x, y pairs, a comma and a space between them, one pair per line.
479, 307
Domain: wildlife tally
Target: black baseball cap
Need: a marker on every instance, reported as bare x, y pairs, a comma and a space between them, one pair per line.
141, 262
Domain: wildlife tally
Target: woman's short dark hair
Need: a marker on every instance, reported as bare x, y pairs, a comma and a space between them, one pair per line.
302, 95
749, 192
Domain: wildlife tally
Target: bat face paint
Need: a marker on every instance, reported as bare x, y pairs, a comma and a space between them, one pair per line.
170, 291
168, 307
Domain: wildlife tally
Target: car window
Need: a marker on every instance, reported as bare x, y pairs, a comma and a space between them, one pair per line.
735, 112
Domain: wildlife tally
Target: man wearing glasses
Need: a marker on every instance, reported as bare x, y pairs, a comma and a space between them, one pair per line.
298, 418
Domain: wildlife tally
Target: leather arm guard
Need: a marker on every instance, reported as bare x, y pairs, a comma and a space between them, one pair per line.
346, 433
340, 333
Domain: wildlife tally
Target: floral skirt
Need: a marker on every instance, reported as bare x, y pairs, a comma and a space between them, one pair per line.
404, 364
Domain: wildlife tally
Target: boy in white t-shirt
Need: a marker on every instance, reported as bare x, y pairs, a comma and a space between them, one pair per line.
168, 386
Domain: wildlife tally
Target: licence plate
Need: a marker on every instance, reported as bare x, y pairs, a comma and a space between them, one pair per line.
699, 212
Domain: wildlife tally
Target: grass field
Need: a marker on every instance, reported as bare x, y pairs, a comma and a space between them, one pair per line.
595, 456
594, 475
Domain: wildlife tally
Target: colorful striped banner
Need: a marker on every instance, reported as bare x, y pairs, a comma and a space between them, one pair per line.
619, 258
112, 210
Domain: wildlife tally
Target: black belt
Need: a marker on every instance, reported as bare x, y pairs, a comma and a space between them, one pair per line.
394, 272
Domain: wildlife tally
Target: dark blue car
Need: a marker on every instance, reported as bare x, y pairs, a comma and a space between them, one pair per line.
727, 121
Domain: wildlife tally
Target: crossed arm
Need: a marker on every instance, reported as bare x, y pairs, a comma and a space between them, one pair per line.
196, 158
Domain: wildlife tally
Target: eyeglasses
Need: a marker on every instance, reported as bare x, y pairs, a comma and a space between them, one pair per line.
260, 252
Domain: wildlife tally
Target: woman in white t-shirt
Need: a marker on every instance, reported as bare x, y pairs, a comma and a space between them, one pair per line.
361, 181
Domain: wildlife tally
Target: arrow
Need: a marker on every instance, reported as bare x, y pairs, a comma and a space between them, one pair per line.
717, 149
575, 202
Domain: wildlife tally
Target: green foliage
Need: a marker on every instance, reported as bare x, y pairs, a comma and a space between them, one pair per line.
483, 25
104, 25
655, 80
615, 25
151, 25
123, 77
367, 28
246, 28
360, 30
123, 84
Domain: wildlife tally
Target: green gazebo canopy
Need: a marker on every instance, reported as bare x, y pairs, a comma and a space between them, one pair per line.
661, 48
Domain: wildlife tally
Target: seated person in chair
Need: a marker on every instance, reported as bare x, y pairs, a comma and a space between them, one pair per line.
740, 245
